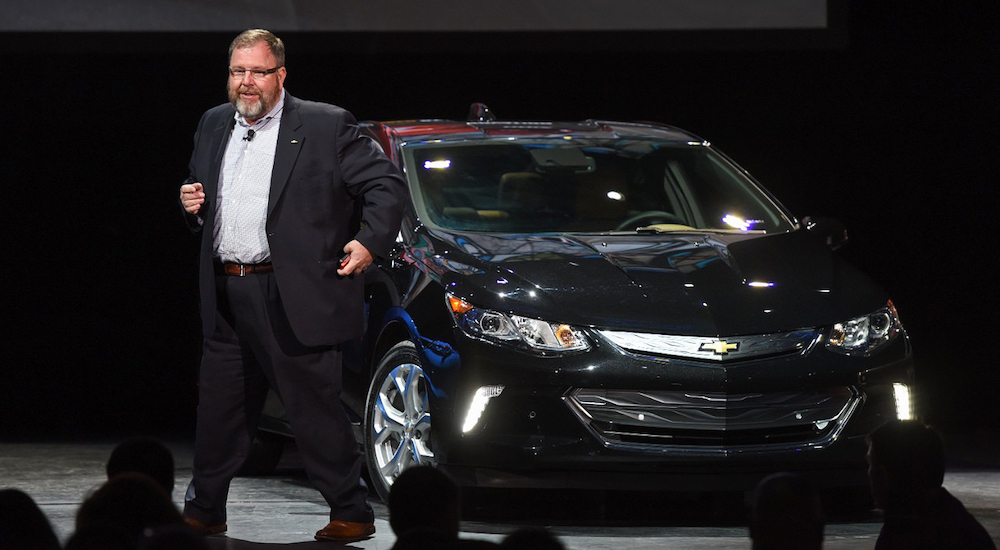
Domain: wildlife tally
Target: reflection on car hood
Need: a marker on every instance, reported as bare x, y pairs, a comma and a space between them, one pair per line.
684, 283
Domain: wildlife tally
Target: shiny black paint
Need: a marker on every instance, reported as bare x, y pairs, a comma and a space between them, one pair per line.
587, 279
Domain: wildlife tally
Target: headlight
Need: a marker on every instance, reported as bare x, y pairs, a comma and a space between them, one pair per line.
533, 334
861, 335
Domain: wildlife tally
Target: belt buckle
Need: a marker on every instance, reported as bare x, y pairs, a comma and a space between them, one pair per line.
243, 270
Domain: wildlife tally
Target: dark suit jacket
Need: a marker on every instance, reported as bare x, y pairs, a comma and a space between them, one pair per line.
329, 185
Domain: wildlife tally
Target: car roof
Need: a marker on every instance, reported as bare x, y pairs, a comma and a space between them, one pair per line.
448, 130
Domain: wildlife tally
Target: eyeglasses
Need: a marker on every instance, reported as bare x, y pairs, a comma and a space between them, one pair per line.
256, 74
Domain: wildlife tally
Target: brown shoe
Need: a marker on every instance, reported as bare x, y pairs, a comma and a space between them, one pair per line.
346, 531
205, 530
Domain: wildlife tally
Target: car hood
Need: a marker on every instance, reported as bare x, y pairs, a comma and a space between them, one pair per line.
718, 284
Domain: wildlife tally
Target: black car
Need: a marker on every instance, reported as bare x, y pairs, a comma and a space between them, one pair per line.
612, 305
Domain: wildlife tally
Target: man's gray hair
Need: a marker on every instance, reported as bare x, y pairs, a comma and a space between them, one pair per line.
250, 37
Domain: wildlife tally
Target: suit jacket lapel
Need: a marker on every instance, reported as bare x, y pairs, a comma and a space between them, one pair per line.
221, 135
286, 151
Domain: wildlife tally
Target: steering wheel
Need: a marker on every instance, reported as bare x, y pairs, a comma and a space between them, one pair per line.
647, 218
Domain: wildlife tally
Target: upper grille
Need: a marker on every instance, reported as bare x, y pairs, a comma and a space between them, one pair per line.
711, 348
708, 419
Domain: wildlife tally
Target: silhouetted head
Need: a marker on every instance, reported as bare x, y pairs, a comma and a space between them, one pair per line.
424, 498
22, 523
146, 456
905, 462
786, 513
130, 502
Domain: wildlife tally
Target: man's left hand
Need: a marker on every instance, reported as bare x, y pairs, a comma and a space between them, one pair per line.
356, 260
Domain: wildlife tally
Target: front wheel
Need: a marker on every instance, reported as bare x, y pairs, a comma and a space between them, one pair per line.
397, 430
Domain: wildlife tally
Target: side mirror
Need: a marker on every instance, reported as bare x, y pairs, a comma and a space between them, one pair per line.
830, 230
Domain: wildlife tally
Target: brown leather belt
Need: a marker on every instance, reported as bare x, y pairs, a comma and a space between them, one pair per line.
242, 270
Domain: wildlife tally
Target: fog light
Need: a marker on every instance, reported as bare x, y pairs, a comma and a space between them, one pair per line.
904, 407
479, 402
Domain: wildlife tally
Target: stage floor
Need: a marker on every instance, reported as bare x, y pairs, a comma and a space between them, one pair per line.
265, 512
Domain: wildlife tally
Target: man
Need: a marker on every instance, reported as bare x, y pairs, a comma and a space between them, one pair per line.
906, 470
292, 202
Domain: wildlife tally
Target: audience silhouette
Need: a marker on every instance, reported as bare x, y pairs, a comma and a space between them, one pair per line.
172, 537
424, 512
786, 514
127, 504
906, 465
23, 526
531, 538
101, 537
133, 509
146, 456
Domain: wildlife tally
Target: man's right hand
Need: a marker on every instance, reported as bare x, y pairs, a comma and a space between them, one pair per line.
192, 197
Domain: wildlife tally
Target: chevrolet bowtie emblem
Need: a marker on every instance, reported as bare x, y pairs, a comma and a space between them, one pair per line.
720, 347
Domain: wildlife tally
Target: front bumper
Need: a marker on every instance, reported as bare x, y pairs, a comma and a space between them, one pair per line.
611, 420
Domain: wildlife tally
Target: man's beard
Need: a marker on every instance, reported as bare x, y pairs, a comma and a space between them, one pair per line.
251, 109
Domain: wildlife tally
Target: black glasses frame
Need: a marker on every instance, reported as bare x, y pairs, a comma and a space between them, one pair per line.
257, 74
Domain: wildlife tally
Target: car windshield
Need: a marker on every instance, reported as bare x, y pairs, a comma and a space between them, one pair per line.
521, 185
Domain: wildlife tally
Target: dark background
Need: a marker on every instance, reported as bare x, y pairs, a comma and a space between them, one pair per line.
888, 123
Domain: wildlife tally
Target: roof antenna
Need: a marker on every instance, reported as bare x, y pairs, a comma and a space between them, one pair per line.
479, 112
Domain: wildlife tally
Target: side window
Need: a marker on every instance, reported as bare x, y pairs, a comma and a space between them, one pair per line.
718, 192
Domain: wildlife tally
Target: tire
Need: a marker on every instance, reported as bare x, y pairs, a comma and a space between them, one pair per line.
397, 427
265, 453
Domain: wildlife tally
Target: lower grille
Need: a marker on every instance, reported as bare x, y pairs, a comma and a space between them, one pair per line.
707, 419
